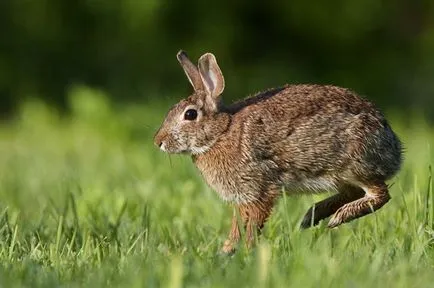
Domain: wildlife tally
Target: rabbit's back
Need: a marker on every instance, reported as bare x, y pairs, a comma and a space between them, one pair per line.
317, 132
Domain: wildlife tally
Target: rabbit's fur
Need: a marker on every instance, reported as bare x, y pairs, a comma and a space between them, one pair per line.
297, 138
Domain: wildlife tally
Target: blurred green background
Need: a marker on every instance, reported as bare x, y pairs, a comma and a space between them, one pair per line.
382, 49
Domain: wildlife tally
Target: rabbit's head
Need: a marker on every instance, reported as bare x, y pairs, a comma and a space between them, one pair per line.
194, 124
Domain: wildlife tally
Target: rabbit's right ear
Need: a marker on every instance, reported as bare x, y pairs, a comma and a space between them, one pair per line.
212, 76
190, 70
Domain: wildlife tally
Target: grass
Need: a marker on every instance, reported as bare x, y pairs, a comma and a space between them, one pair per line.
87, 201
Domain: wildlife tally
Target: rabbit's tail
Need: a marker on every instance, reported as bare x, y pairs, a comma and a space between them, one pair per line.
380, 156
383, 154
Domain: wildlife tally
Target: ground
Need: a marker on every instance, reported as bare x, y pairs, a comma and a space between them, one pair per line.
87, 201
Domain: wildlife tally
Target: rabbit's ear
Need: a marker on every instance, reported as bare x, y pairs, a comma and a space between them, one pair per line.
190, 70
211, 75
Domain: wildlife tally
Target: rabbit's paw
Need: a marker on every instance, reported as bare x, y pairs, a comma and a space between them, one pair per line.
228, 247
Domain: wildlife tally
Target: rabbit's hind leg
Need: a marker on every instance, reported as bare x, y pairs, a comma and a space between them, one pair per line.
376, 196
327, 207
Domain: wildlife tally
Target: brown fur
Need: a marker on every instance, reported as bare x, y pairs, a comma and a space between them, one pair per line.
300, 138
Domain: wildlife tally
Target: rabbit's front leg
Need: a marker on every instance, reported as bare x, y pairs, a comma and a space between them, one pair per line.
250, 219
255, 215
234, 235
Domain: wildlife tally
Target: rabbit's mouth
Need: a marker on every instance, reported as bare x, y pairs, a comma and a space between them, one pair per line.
176, 150
167, 143
168, 147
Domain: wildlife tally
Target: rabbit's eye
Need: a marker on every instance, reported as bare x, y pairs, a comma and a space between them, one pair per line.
190, 114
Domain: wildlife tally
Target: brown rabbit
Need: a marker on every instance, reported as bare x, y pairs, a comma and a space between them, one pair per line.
297, 138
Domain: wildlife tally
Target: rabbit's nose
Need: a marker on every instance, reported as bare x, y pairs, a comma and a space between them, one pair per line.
158, 142
161, 146
158, 139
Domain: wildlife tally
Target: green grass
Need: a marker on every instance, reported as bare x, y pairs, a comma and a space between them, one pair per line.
87, 201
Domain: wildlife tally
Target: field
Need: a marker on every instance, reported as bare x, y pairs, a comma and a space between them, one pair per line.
87, 201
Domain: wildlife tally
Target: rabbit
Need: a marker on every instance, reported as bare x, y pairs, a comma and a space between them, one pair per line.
294, 139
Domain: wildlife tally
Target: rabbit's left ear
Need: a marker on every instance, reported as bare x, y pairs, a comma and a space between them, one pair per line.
190, 70
211, 75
